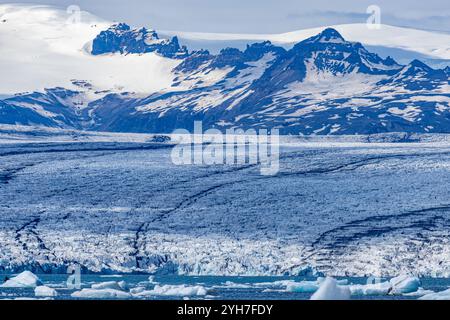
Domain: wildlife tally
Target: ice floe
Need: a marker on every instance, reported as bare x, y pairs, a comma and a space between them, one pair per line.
234, 285
122, 285
25, 279
44, 291
443, 295
419, 293
370, 289
101, 294
137, 290
304, 286
175, 290
404, 284
396, 286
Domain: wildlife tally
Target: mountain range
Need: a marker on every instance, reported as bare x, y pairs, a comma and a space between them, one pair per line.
132, 80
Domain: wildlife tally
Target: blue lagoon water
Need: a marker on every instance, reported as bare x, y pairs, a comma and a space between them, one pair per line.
219, 288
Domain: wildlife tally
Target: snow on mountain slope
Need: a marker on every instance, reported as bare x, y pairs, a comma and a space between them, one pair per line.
431, 44
112, 77
40, 48
323, 85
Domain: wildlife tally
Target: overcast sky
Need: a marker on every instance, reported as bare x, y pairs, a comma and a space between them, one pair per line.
260, 16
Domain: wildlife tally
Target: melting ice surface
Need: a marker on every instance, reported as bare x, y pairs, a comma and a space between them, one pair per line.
143, 287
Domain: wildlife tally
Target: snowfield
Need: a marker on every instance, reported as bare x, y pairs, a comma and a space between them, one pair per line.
59, 55
343, 209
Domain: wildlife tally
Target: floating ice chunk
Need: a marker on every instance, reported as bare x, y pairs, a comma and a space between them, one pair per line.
274, 284
234, 285
303, 286
404, 284
370, 289
43, 291
107, 285
419, 293
101, 294
443, 295
175, 290
330, 290
137, 290
26, 279
151, 280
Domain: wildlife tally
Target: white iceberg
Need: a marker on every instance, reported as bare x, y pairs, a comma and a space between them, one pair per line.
121, 286
175, 290
303, 287
101, 294
331, 290
44, 291
274, 284
370, 289
397, 286
26, 279
404, 284
234, 285
419, 293
443, 295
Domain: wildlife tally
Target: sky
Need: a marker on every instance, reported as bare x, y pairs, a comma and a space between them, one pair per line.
260, 16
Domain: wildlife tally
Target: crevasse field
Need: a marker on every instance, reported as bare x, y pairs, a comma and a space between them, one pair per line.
343, 209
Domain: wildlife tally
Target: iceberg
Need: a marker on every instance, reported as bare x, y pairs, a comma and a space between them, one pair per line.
419, 293
26, 279
396, 286
370, 289
234, 285
303, 287
175, 290
44, 291
404, 284
101, 294
331, 290
443, 295
110, 285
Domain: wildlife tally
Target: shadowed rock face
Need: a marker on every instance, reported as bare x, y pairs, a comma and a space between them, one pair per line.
323, 85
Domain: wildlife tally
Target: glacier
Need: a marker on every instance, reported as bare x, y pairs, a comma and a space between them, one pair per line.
336, 208
86, 176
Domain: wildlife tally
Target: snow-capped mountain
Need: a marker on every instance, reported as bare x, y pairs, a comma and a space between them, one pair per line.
131, 80
404, 44
120, 38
